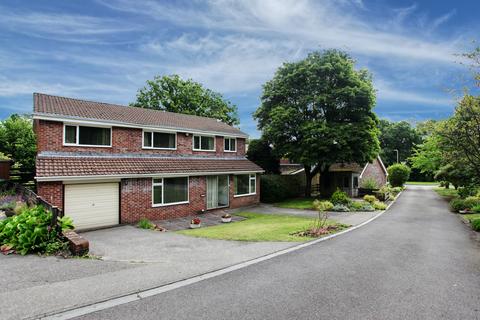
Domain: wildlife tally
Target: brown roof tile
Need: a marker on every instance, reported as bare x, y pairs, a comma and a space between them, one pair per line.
355, 167
74, 108
98, 166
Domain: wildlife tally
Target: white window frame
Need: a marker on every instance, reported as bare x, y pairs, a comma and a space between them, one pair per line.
77, 142
230, 144
163, 191
251, 176
151, 133
206, 150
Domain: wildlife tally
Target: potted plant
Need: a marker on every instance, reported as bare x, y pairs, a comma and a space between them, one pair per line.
226, 218
195, 223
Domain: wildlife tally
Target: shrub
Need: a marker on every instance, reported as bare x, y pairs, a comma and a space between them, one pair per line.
369, 183
276, 188
356, 205
340, 208
369, 198
322, 205
471, 202
398, 174
467, 191
475, 224
367, 207
476, 209
378, 205
145, 224
30, 230
457, 204
340, 197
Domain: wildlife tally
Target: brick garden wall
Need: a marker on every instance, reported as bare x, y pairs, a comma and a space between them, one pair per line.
124, 140
52, 192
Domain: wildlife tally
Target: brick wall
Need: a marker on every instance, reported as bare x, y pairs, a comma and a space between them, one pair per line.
124, 140
236, 202
136, 201
52, 192
374, 170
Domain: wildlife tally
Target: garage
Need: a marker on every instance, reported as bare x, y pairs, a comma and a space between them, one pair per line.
92, 205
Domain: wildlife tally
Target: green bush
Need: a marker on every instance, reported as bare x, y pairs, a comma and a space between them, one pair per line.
471, 202
457, 204
476, 209
475, 223
322, 205
30, 231
369, 198
398, 174
145, 224
369, 183
276, 188
340, 208
356, 205
467, 191
378, 205
340, 197
367, 207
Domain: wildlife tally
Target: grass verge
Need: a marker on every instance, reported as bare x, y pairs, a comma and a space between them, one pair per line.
447, 193
471, 216
297, 203
258, 227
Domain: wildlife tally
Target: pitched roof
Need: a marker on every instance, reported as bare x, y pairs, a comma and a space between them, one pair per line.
61, 107
339, 167
51, 167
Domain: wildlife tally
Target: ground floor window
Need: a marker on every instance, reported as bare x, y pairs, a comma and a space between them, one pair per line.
245, 184
169, 191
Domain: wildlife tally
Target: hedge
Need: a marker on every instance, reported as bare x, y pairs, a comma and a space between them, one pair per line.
275, 188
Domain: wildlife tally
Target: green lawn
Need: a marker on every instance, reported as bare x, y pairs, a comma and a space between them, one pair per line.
447, 193
471, 216
422, 183
257, 227
297, 203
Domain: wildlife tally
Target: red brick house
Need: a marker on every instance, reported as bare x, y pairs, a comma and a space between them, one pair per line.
106, 164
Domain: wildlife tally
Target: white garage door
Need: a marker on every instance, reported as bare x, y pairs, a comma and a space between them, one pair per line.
92, 205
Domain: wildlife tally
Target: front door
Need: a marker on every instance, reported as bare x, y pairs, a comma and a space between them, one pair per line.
217, 191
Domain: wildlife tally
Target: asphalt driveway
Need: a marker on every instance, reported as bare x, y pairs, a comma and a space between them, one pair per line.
417, 261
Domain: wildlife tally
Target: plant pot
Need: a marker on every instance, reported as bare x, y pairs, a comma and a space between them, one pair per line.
464, 211
195, 226
226, 220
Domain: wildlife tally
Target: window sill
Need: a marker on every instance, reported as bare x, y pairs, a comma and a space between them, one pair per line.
151, 148
169, 204
85, 145
244, 195
229, 151
197, 150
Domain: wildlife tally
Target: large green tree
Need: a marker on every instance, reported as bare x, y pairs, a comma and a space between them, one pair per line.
318, 111
171, 93
399, 136
18, 142
260, 152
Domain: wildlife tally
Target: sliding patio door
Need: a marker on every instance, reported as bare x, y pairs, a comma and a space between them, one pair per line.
217, 191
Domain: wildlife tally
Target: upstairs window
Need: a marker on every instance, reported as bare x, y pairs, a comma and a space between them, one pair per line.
230, 144
159, 140
87, 136
203, 143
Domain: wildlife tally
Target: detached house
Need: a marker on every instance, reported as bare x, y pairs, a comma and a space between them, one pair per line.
106, 164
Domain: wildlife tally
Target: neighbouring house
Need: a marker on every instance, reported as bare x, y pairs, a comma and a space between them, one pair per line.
106, 164
345, 176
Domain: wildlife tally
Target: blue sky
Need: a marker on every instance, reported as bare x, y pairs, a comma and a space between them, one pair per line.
105, 50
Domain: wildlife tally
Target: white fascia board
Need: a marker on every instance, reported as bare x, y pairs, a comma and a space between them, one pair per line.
75, 120
144, 175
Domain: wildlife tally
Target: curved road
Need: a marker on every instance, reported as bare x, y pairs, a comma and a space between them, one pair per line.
417, 261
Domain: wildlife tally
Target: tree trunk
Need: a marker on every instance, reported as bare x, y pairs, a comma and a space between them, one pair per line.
308, 182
